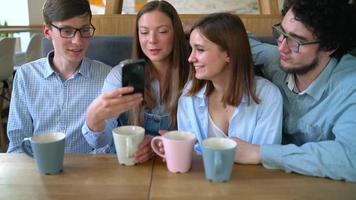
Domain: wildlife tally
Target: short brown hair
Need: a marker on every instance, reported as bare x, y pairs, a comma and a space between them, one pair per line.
60, 10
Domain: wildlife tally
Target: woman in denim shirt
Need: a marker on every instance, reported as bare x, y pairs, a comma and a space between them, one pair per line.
159, 39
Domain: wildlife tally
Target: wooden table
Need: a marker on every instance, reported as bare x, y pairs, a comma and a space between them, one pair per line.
88, 176
247, 182
84, 177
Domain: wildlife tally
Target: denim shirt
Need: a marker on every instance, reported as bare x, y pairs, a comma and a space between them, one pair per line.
154, 120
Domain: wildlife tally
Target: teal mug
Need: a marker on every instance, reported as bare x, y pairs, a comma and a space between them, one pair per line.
48, 151
218, 158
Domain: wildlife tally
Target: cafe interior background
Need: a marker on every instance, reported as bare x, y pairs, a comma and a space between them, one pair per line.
24, 15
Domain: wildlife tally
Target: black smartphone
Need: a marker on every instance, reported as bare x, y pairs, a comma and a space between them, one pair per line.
133, 74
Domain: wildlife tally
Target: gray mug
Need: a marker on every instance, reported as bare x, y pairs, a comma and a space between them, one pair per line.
218, 158
48, 151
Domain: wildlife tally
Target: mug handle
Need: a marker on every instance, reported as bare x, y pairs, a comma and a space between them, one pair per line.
155, 147
27, 148
217, 163
129, 145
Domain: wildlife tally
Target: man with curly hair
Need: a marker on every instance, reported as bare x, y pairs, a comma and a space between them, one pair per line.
316, 74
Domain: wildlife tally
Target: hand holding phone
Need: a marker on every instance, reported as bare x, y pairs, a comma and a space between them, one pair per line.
133, 74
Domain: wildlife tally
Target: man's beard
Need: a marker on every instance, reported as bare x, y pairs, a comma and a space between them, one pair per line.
301, 70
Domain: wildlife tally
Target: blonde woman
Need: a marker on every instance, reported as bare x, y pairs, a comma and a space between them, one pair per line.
160, 40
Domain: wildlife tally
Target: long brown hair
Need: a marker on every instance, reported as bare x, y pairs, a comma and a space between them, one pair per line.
228, 32
177, 73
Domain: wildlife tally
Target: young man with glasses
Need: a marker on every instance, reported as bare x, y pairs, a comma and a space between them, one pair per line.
51, 94
317, 78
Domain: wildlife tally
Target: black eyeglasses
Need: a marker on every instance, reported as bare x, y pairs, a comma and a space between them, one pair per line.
69, 32
292, 42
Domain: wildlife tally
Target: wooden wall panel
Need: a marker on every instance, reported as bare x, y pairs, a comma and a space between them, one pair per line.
124, 24
261, 24
113, 24
269, 7
113, 7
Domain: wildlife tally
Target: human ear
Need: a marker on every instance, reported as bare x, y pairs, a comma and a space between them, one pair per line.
47, 32
227, 57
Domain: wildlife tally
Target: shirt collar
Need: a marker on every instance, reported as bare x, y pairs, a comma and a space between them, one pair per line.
290, 81
317, 87
84, 68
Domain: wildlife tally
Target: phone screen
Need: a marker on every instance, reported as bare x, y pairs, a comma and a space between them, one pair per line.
133, 74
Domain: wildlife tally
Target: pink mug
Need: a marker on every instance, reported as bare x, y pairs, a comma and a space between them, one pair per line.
178, 150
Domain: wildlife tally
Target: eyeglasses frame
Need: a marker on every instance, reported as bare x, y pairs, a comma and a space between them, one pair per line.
278, 28
75, 32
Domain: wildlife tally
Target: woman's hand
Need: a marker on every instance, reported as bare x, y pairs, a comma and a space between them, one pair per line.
160, 144
144, 151
111, 104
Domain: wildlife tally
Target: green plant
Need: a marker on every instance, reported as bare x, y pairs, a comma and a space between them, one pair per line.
4, 34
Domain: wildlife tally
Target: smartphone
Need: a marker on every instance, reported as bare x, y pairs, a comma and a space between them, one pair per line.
133, 74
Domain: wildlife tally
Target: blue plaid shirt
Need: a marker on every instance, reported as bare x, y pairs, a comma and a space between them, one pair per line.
43, 102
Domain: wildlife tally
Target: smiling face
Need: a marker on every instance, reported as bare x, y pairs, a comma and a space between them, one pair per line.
155, 32
208, 59
68, 50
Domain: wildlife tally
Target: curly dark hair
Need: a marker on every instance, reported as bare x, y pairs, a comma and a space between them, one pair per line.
333, 22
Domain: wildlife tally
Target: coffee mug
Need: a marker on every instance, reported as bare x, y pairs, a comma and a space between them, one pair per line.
127, 140
48, 151
218, 158
178, 149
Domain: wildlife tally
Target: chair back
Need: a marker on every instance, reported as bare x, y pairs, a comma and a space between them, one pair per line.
7, 52
107, 49
353, 52
34, 51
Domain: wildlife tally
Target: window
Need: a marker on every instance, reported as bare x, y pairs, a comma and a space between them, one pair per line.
190, 6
